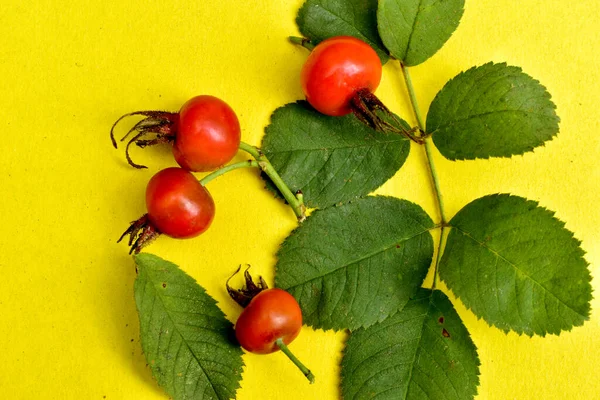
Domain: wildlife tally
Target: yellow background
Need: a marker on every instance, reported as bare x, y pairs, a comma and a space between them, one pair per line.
68, 324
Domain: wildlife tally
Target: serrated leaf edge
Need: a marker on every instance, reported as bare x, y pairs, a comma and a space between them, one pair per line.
430, 305
306, 105
506, 330
183, 339
380, 49
401, 59
522, 154
382, 318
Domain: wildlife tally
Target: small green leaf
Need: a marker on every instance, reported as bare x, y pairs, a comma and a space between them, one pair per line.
354, 265
491, 111
422, 352
330, 159
414, 30
321, 19
516, 266
188, 343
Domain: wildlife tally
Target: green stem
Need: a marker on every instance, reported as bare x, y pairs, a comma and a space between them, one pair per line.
282, 346
441, 246
435, 181
252, 150
301, 41
295, 201
413, 97
224, 170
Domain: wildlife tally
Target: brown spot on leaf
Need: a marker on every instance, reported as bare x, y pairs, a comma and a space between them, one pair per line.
445, 333
441, 320
164, 285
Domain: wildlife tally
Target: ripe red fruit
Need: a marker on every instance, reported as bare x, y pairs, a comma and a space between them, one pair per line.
178, 206
337, 70
205, 133
271, 315
270, 321
208, 134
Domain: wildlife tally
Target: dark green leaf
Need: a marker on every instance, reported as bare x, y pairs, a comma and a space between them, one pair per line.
354, 265
330, 159
414, 30
188, 343
321, 19
516, 266
423, 352
491, 111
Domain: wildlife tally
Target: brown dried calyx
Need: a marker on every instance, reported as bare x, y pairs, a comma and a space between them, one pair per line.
244, 295
162, 124
141, 233
369, 110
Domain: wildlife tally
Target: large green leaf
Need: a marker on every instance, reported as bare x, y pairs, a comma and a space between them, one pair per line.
414, 30
423, 352
322, 19
330, 159
516, 266
491, 111
354, 265
186, 339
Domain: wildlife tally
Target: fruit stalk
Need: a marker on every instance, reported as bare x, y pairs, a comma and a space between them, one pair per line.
228, 168
435, 181
265, 165
282, 346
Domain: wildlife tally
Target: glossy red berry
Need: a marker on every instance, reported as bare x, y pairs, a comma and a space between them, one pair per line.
208, 134
205, 133
271, 319
178, 206
336, 69
271, 315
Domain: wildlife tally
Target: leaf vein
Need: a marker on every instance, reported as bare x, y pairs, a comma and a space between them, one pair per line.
349, 23
185, 342
516, 267
365, 257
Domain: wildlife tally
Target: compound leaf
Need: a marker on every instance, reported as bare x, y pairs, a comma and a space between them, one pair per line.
321, 19
491, 111
330, 159
354, 265
414, 30
422, 352
187, 341
516, 266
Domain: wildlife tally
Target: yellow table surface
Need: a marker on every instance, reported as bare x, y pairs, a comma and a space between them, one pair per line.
68, 323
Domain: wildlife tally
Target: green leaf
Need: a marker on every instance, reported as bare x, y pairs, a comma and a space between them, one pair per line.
422, 352
330, 159
188, 343
414, 30
354, 265
516, 266
321, 19
491, 111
